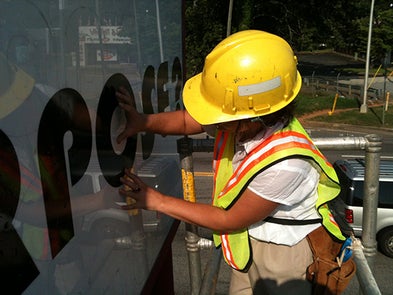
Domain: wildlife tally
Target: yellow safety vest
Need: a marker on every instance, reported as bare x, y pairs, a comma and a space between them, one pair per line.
229, 185
35, 238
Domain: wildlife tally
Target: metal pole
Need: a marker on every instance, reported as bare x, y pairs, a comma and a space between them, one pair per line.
210, 277
184, 148
364, 258
372, 144
137, 38
384, 96
101, 44
159, 32
340, 143
229, 23
62, 71
363, 107
367, 282
370, 200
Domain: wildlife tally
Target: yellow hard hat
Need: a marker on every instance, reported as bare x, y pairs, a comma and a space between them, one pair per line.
249, 74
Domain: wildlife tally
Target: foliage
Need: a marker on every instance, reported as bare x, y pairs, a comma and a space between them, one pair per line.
205, 27
306, 25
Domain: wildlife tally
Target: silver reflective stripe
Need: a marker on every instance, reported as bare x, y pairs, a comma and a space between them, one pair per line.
265, 86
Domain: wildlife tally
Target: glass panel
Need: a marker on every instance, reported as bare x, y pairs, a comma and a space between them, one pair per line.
61, 61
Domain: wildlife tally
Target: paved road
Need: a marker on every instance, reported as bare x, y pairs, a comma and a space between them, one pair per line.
383, 270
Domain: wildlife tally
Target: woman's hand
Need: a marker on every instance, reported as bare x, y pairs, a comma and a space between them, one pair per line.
248, 209
135, 120
144, 197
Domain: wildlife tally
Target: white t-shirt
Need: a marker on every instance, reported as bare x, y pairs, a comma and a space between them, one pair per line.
292, 183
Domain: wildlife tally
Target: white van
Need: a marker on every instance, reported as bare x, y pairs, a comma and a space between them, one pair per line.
351, 176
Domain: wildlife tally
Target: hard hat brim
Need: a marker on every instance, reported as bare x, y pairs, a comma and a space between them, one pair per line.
18, 92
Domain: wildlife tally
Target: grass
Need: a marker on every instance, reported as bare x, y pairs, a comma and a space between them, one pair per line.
374, 71
307, 104
346, 111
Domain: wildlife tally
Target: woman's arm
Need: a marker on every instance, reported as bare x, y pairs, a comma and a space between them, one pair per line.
248, 209
165, 123
172, 123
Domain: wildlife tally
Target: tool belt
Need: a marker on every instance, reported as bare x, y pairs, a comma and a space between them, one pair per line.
328, 273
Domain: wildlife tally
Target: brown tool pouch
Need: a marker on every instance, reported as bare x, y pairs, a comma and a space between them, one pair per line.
325, 273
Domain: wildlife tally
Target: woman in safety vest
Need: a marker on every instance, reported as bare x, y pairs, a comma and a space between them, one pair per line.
271, 183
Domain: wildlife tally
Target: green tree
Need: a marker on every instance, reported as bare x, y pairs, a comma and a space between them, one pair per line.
340, 25
205, 26
382, 34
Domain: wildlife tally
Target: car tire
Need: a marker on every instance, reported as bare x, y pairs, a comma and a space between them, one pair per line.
385, 241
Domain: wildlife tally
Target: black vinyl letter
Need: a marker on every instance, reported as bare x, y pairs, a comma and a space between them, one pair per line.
112, 165
178, 78
148, 86
66, 111
162, 93
17, 269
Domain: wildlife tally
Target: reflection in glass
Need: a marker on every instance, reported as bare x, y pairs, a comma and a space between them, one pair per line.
60, 63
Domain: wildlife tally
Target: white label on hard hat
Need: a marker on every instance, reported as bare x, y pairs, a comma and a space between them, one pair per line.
262, 87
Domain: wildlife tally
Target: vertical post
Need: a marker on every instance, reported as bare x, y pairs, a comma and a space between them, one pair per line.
363, 107
101, 44
314, 84
62, 71
137, 36
210, 277
334, 105
159, 32
370, 200
385, 95
184, 148
386, 62
229, 22
366, 280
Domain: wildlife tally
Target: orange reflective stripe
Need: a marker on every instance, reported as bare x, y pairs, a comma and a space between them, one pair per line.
29, 180
282, 141
332, 220
227, 251
45, 246
221, 141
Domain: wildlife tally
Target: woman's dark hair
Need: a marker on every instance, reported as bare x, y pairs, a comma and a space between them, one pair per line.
284, 115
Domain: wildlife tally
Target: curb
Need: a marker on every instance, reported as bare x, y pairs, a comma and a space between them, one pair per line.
346, 127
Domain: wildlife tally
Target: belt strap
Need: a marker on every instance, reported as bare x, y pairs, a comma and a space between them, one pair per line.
285, 221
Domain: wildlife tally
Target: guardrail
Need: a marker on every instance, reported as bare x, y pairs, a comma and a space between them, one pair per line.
364, 254
322, 84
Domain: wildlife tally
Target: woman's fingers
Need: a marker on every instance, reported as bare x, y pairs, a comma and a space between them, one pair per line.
131, 182
123, 96
133, 124
144, 196
130, 197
